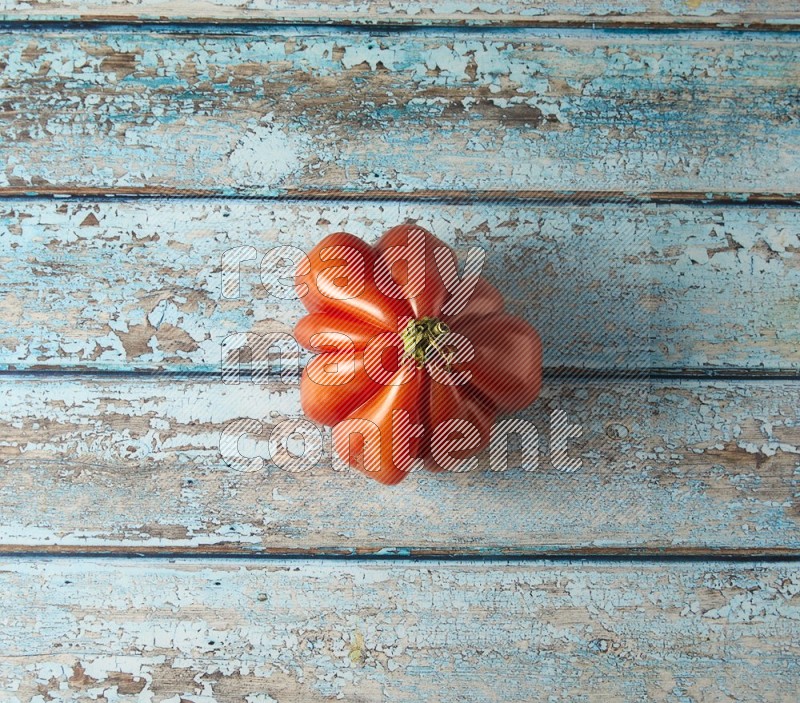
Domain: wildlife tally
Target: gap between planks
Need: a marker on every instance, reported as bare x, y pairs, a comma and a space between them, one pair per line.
473, 197
213, 374
415, 554
774, 15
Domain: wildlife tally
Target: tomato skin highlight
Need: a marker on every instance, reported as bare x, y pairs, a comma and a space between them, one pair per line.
379, 410
348, 387
428, 302
324, 323
356, 309
365, 301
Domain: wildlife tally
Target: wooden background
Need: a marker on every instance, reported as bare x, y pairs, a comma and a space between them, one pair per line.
633, 171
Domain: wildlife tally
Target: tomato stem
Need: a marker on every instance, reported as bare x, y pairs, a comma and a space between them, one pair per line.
419, 340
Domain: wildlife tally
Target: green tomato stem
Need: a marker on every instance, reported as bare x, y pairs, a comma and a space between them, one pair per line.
419, 340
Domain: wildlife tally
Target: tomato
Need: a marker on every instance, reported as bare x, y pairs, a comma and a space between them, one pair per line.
412, 366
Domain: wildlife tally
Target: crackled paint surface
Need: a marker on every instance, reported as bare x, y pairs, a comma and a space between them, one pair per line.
313, 631
428, 111
675, 466
129, 463
670, 13
126, 285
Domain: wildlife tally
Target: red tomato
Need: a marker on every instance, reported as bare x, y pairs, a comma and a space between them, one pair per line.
400, 375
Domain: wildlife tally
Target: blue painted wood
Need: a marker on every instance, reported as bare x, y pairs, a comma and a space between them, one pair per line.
135, 464
430, 111
130, 463
137, 285
288, 631
770, 14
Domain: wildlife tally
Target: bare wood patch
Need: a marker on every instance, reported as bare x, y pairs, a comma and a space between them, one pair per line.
608, 286
751, 14
675, 467
297, 630
275, 112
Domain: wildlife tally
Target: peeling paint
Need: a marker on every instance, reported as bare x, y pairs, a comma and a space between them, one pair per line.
202, 632
317, 109
266, 156
670, 285
725, 14
701, 465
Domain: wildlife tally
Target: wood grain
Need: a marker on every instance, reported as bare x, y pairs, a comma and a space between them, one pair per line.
745, 14
432, 111
137, 285
281, 631
134, 464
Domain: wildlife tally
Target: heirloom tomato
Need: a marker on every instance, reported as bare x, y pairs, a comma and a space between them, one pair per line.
413, 362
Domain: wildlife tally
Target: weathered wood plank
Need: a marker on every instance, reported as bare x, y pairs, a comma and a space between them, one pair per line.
280, 631
340, 111
769, 14
137, 285
135, 464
